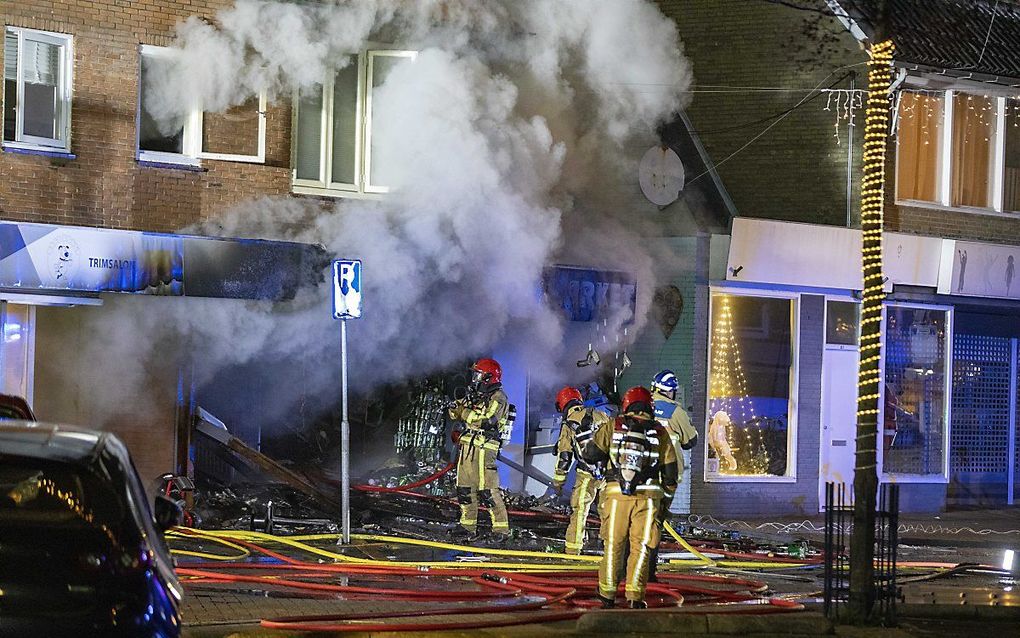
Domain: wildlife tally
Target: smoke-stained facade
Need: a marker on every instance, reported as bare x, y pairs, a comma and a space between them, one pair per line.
501, 141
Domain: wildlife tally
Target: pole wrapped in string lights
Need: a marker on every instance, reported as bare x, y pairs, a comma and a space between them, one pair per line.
876, 133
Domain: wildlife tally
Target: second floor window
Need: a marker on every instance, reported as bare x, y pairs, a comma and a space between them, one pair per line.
958, 149
333, 123
37, 89
237, 135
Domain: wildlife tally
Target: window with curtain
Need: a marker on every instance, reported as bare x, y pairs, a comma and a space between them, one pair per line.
334, 151
37, 88
1011, 157
919, 148
974, 124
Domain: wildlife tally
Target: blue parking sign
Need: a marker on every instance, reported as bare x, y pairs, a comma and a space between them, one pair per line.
346, 288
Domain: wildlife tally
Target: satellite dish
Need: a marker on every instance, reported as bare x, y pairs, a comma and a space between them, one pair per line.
661, 174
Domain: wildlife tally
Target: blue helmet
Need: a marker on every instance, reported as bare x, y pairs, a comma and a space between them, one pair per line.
666, 383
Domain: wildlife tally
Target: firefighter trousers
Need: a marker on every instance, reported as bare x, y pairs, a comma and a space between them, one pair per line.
633, 518
586, 490
478, 482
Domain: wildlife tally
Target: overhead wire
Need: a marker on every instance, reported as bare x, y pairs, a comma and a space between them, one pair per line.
772, 125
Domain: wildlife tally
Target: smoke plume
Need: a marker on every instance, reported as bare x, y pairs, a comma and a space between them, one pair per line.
509, 144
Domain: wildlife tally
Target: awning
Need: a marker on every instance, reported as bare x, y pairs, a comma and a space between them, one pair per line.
50, 259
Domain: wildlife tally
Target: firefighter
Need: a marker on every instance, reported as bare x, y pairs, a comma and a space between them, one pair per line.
578, 428
484, 413
641, 470
672, 416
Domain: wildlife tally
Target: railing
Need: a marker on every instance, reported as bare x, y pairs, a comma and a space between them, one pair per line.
839, 511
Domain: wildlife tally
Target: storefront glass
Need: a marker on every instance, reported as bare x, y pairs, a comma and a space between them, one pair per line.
916, 394
17, 349
751, 367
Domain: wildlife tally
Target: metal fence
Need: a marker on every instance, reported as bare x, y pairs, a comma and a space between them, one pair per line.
839, 511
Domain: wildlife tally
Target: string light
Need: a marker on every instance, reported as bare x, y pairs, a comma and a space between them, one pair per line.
846, 103
728, 392
876, 129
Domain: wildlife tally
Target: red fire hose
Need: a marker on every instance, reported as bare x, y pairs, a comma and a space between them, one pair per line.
549, 589
410, 486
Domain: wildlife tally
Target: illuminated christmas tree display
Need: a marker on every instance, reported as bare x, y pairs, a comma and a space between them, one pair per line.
728, 395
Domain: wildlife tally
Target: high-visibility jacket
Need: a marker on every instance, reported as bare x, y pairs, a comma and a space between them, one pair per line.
484, 416
577, 429
637, 452
674, 418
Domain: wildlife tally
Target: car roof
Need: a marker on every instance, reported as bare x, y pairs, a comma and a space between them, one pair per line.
49, 440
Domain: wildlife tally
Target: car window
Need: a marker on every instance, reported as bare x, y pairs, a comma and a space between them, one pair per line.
10, 412
47, 494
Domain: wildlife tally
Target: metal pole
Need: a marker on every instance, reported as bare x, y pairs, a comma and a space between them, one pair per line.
850, 154
1011, 443
345, 442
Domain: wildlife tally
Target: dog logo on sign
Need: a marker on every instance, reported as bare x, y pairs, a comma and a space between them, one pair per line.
63, 255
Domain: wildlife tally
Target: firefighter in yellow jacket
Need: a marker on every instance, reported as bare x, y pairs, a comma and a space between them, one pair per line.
485, 414
641, 470
672, 416
578, 428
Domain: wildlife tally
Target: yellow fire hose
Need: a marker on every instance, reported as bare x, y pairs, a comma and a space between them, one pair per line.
562, 562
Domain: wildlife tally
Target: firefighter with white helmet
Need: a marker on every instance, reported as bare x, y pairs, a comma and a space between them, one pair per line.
578, 427
641, 471
486, 414
672, 416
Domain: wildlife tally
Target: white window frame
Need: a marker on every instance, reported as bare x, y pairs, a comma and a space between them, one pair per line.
191, 144
64, 92
945, 190
260, 155
794, 403
895, 477
362, 187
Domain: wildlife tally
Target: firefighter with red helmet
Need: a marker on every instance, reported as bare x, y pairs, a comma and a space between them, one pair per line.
641, 470
485, 413
578, 427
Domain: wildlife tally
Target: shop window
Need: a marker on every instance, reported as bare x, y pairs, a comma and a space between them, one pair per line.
37, 89
239, 134
842, 323
958, 149
751, 382
17, 350
334, 151
916, 392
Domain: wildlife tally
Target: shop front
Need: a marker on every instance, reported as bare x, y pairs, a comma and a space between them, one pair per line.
54, 280
781, 356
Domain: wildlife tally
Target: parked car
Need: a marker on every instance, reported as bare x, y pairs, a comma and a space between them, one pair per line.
81, 552
14, 407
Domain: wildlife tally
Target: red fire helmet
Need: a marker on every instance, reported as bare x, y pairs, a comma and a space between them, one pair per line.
488, 370
566, 396
638, 398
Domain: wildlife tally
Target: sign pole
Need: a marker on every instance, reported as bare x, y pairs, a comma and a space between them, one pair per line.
345, 442
346, 305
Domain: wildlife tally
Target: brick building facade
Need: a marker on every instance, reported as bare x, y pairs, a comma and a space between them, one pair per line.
103, 184
99, 179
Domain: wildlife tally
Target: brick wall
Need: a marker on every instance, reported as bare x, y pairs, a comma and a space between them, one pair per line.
797, 170
104, 186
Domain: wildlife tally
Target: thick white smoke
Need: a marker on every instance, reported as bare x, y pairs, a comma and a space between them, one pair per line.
510, 144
